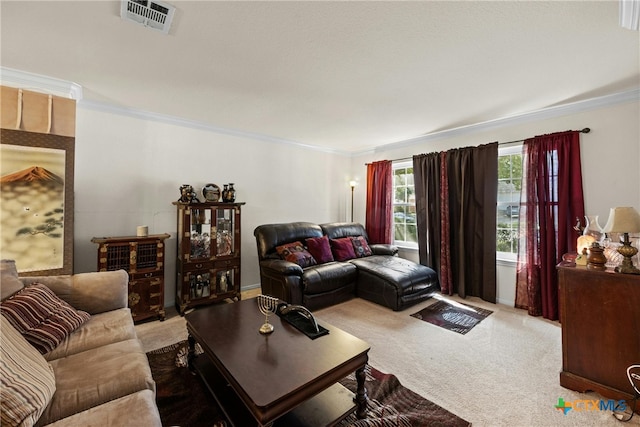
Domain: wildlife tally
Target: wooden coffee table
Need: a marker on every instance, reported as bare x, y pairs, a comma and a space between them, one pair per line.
284, 378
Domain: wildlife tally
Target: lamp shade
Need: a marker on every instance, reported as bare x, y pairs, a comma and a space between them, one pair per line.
623, 220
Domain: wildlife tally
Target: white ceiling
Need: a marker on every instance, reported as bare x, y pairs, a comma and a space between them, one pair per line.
346, 76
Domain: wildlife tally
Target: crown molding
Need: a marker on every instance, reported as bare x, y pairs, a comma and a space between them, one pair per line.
40, 83
545, 113
194, 124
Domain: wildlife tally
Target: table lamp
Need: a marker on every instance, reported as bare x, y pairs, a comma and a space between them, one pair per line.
624, 220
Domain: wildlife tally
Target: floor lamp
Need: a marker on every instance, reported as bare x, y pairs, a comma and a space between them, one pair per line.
353, 186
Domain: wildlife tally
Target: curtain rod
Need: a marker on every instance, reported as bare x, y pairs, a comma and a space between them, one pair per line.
585, 130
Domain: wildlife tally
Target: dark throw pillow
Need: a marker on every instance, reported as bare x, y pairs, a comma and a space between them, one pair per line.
41, 317
361, 247
320, 249
295, 252
342, 249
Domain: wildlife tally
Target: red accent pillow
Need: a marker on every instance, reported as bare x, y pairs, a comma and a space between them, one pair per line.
295, 252
41, 317
342, 249
361, 247
320, 249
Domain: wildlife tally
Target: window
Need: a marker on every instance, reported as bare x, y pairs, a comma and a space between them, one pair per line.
508, 207
404, 205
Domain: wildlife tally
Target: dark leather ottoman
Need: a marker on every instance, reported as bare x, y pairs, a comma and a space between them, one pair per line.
394, 282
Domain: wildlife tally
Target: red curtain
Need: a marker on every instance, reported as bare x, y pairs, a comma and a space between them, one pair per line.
551, 200
379, 202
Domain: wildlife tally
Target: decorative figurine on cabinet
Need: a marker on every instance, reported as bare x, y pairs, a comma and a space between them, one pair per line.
187, 195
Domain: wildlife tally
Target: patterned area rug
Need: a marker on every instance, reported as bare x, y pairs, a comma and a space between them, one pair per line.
454, 316
184, 400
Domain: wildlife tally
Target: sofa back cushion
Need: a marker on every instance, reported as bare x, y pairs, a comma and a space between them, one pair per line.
338, 230
41, 317
28, 382
270, 236
94, 292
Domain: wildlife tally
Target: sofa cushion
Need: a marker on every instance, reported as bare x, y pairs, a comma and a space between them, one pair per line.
93, 377
328, 277
394, 282
342, 249
9, 278
137, 409
296, 253
101, 329
41, 317
320, 249
28, 382
361, 247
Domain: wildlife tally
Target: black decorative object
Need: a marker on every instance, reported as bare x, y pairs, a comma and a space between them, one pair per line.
225, 192
187, 195
229, 193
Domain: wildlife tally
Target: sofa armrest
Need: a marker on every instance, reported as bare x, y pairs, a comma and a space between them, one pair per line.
91, 292
384, 249
280, 266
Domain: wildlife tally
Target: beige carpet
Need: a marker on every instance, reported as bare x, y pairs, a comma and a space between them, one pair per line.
504, 372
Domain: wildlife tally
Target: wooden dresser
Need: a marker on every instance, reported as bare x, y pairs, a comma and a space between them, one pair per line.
600, 317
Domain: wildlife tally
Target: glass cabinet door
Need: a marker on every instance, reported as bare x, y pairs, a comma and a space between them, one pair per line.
200, 285
225, 280
200, 233
225, 235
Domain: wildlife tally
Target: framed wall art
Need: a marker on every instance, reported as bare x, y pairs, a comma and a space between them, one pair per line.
36, 209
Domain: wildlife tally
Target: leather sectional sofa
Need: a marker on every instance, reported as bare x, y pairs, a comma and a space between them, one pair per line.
373, 272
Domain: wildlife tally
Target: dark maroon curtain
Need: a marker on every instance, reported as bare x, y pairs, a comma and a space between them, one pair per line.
551, 200
379, 203
456, 196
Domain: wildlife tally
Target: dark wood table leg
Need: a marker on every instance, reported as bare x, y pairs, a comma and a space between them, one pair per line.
361, 394
192, 353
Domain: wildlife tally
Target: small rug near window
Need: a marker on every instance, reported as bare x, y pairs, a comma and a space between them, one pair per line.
454, 316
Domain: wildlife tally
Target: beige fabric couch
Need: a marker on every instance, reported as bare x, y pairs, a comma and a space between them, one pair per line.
102, 375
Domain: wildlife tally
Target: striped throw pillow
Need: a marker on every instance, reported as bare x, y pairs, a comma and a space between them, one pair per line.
41, 317
27, 380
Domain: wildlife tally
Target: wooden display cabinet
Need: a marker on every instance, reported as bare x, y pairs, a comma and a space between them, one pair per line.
600, 319
208, 264
143, 259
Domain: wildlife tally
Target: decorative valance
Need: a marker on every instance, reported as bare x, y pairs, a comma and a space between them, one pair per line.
37, 112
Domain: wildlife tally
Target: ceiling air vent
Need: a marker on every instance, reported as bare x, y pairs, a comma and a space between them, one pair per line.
153, 14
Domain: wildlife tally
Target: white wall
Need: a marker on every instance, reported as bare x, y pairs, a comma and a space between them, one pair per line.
610, 161
128, 171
